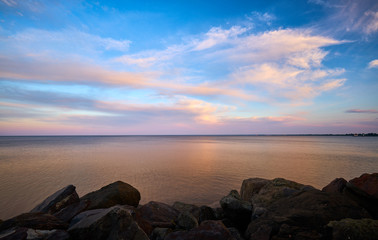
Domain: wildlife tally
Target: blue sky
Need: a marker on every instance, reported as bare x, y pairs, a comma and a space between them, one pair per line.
188, 67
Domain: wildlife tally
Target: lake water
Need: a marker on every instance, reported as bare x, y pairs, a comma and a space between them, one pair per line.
192, 169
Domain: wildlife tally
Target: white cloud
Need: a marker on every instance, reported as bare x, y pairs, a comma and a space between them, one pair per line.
371, 24
373, 64
10, 3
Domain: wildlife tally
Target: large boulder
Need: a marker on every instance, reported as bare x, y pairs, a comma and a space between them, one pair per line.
206, 213
117, 193
336, 186
251, 187
186, 221
354, 229
156, 214
37, 220
303, 215
208, 230
111, 223
367, 183
236, 209
67, 213
185, 207
58, 200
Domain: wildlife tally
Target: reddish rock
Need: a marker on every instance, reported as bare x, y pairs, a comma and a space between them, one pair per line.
251, 187
67, 213
208, 230
40, 221
155, 214
367, 183
336, 186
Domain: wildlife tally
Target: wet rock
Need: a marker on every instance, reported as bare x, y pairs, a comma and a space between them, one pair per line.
67, 213
186, 221
251, 187
306, 213
156, 214
184, 207
368, 183
208, 230
58, 200
117, 193
160, 233
37, 220
336, 186
354, 229
237, 210
206, 213
276, 189
111, 223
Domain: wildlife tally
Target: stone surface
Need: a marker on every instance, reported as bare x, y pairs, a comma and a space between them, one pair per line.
276, 189
368, 183
111, 223
33, 234
251, 187
185, 207
206, 213
336, 186
236, 209
117, 193
208, 230
160, 233
156, 214
186, 221
305, 213
58, 200
235, 233
67, 213
14, 234
354, 229
37, 220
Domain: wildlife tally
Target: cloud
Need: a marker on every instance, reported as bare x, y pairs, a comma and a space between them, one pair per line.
10, 3
373, 64
370, 22
361, 111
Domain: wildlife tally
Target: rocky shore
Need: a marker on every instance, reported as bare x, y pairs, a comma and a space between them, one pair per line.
264, 209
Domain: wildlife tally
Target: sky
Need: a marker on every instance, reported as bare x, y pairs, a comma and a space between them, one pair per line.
188, 67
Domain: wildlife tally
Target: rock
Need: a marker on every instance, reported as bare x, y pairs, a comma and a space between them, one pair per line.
258, 212
368, 183
336, 186
251, 187
111, 223
37, 220
208, 230
14, 234
186, 221
235, 233
156, 214
55, 234
58, 200
305, 213
219, 214
206, 213
237, 210
67, 213
276, 189
184, 207
117, 193
354, 229
160, 233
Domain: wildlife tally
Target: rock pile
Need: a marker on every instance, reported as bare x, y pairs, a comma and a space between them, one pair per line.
265, 209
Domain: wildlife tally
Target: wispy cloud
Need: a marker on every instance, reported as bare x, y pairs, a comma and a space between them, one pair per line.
10, 3
373, 64
361, 111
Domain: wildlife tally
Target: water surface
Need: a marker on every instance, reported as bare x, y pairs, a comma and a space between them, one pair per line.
193, 169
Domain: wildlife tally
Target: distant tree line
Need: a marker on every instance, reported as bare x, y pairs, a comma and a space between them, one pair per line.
362, 134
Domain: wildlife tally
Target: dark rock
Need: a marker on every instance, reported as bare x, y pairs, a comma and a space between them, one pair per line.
117, 193
263, 232
219, 213
186, 221
160, 233
258, 212
58, 200
37, 220
237, 210
368, 183
208, 230
251, 187
206, 213
306, 213
111, 223
156, 214
67, 213
235, 233
336, 186
14, 234
55, 234
184, 207
354, 229
58, 235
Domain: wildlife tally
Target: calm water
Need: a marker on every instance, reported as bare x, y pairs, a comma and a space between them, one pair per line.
193, 169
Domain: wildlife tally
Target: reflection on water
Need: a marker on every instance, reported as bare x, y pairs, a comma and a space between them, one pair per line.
193, 169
